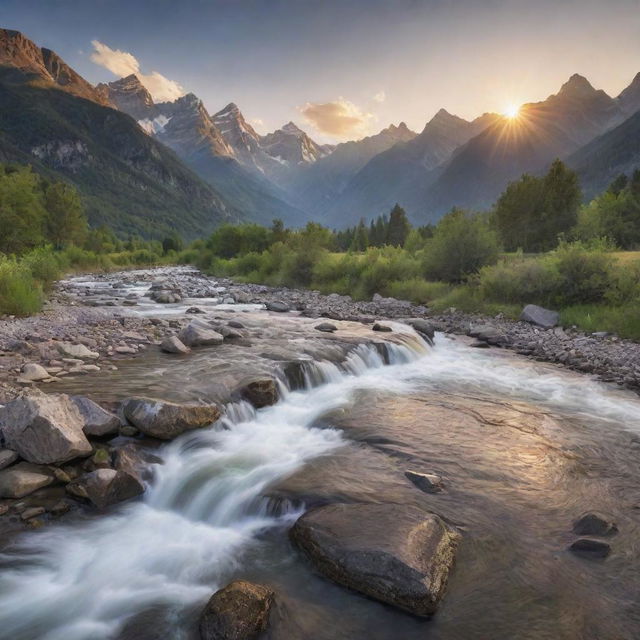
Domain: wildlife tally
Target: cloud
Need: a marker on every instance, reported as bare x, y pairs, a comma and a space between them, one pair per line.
340, 118
381, 96
123, 63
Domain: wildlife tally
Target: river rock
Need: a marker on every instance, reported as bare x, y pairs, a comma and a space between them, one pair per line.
105, 487
167, 420
260, 392
98, 422
488, 333
590, 548
46, 429
397, 554
540, 316
32, 512
7, 457
326, 327
277, 305
427, 482
34, 372
423, 327
22, 479
594, 524
382, 327
134, 460
173, 344
78, 351
240, 611
195, 335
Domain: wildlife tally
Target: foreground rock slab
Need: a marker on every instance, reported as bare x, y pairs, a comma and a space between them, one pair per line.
240, 611
46, 429
98, 422
173, 344
167, 420
195, 335
396, 554
22, 479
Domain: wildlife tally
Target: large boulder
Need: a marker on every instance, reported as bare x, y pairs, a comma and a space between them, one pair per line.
173, 344
105, 487
46, 429
98, 422
240, 611
195, 335
167, 420
396, 554
541, 317
22, 479
260, 392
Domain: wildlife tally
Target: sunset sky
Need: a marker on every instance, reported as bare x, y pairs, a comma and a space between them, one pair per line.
342, 69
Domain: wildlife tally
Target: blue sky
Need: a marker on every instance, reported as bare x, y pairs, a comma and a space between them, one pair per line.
375, 62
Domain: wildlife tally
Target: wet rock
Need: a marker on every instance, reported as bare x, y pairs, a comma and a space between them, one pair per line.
60, 508
22, 479
326, 327
540, 316
7, 457
98, 422
427, 482
167, 420
46, 429
235, 324
594, 524
381, 327
78, 351
105, 487
32, 372
590, 548
134, 460
260, 392
396, 554
195, 335
277, 305
478, 344
194, 310
489, 334
240, 611
163, 296
173, 344
423, 327
32, 512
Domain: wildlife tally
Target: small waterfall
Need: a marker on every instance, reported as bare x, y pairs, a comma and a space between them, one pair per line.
203, 510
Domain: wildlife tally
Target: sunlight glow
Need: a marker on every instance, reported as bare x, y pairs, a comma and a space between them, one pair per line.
512, 111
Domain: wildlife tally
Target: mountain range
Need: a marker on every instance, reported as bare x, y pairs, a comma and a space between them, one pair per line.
146, 167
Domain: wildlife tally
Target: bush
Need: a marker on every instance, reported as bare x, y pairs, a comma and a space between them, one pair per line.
45, 266
20, 294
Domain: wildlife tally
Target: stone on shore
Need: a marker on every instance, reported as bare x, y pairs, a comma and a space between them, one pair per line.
167, 420
240, 611
594, 524
7, 457
260, 392
427, 482
540, 316
98, 422
78, 351
397, 554
105, 487
173, 344
33, 372
489, 334
45, 429
22, 479
195, 335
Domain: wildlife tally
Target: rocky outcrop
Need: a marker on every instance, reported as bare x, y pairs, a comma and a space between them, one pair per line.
540, 316
240, 611
22, 479
396, 554
196, 335
97, 421
167, 420
45, 429
104, 487
260, 392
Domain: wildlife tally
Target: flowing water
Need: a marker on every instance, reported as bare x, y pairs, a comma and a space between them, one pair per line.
523, 448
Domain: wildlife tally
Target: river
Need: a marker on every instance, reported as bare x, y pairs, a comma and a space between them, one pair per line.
524, 448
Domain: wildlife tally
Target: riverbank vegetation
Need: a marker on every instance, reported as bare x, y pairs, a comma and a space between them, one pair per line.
537, 245
45, 235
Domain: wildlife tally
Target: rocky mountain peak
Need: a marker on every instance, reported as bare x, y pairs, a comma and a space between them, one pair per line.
577, 86
129, 95
292, 129
629, 99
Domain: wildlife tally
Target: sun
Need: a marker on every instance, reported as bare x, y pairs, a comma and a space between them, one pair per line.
512, 111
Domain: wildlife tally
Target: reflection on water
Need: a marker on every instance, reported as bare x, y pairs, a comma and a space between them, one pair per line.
523, 449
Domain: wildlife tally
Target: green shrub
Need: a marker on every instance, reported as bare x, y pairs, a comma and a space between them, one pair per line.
20, 294
528, 280
45, 266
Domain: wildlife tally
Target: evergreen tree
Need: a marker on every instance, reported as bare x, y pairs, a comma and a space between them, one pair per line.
65, 222
361, 237
618, 184
399, 227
